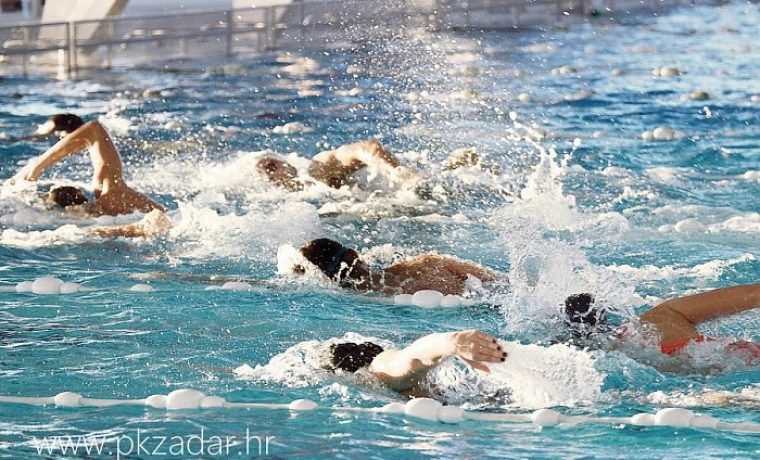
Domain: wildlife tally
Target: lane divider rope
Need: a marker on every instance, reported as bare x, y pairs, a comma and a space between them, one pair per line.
419, 408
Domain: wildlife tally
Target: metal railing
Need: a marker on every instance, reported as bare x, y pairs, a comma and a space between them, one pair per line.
70, 46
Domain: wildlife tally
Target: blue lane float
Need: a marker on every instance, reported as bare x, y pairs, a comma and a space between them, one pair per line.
417, 408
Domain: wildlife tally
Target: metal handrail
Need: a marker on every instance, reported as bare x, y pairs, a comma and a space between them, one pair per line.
274, 20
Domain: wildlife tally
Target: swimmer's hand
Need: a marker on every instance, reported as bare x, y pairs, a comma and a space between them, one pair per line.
27, 173
475, 348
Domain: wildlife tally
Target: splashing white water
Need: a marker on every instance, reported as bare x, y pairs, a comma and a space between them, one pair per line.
543, 202
303, 364
531, 377
710, 270
256, 235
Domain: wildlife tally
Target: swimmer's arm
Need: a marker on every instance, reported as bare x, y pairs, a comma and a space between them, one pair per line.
355, 156
407, 366
480, 272
369, 152
105, 159
709, 305
154, 223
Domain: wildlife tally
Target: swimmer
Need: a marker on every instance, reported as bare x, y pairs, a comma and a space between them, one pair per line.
675, 321
405, 370
335, 168
59, 125
113, 195
445, 274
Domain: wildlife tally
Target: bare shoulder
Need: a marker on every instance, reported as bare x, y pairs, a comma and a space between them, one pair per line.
385, 365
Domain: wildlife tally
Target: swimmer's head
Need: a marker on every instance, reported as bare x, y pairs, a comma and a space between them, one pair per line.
580, 309
60, 124
337, 262
351, 356
66, 196
279, 172
583, 317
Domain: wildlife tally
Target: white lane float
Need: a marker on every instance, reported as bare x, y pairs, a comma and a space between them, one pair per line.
50, 285
292, 128
141, 287
429, 299
667, 72
662, 133
417, 408
231, 286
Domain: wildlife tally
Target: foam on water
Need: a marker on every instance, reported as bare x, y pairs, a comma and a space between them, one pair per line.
543, 202
532, 377
65, 234
544, 272
746, 397
303, 364
700, 273
256, 235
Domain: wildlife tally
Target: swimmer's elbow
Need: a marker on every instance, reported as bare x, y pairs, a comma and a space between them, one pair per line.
94, 129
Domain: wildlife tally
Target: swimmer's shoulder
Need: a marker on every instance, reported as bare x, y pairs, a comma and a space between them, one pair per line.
383, 362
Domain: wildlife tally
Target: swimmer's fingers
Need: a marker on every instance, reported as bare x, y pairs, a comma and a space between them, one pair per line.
473, 338
487, 354
485, 337
18, 177
478, 346
488, 344
493, 354
27, 172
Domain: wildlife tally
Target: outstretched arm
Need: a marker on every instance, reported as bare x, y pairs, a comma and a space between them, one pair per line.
677, 318
403, 369
154, 223
367, 153
105, 159
335, 166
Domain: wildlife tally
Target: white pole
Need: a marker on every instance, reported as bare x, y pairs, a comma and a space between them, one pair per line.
37, 8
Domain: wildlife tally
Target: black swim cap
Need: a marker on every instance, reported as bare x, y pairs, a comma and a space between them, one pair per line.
66, 122
67, 196
326, 254
351, 356
580, 309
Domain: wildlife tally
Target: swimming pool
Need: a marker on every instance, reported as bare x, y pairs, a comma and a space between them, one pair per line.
630, 219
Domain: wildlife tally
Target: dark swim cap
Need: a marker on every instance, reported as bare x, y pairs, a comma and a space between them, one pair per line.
67, 196
65, 122
580, 309
351, 356
326, 254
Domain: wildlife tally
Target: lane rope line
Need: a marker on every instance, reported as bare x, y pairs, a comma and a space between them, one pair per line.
418, 408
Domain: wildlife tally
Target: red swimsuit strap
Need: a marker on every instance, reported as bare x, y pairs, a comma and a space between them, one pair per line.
749, 352
672, 347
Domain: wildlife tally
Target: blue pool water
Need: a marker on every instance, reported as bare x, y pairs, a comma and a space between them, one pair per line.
634, 221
